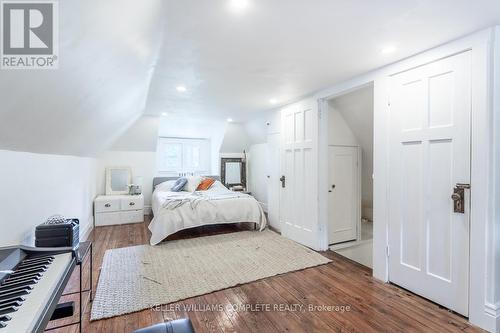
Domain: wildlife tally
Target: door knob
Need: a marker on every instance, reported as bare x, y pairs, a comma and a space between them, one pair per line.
456, 196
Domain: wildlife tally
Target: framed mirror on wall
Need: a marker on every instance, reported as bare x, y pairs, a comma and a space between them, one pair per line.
233, 172
118, 180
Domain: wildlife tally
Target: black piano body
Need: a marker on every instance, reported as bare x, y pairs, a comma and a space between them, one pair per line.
31, 282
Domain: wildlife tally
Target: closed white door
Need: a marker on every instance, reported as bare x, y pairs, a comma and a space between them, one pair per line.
273, 180
429, 155
343, 194
299, 165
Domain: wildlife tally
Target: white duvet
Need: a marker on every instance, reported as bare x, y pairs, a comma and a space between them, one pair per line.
174, 211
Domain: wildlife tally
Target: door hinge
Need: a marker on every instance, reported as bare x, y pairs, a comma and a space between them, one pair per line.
388, 251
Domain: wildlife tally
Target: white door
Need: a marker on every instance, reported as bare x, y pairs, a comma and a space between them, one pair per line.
273, 180
343, 196
299, 166
429, 155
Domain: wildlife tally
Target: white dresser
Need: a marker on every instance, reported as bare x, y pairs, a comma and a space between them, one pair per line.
118, 209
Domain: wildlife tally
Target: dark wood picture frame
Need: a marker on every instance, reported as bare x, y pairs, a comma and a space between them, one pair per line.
242, 170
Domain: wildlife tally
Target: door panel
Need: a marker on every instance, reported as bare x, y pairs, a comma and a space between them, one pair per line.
299, 218
429, 154
344, 204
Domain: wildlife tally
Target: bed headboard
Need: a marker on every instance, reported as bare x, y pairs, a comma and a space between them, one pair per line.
159, 180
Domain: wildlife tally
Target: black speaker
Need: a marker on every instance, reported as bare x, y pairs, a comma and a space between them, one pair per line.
62, 234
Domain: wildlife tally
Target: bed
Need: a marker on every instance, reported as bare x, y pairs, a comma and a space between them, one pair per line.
175, 211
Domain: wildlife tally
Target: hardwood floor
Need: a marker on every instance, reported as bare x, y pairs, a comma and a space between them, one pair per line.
358, 302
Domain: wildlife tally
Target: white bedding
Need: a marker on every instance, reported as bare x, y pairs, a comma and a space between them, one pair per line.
174, 211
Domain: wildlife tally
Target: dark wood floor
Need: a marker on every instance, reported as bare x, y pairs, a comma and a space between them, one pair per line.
358, 302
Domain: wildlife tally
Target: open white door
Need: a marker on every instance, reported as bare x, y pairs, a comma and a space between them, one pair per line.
299, 165
344, 202
429, 158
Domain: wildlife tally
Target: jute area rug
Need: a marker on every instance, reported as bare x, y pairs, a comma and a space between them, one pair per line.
139, 277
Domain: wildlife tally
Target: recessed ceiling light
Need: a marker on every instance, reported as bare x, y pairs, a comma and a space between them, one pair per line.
238, 5
388, 49
229, 120
164, 114
181, 88
273, 101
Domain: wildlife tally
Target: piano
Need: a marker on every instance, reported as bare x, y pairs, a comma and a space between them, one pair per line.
31, 283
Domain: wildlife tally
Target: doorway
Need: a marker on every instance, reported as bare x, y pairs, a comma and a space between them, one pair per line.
350, 170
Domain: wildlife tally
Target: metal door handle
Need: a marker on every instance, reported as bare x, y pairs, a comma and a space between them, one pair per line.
458, 197
282, 180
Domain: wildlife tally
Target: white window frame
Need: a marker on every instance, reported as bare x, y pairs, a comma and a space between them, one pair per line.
186, 144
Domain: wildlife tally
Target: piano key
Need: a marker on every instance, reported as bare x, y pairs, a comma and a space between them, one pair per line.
25, 279
34, 264
5, 318
36, 270
17, 284
38, 258
13, 289
18, 298
34, 306
11, 303
8, 309
22, 277
14, 294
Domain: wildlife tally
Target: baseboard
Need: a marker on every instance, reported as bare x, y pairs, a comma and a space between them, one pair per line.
148, 210
85, 234
492, 311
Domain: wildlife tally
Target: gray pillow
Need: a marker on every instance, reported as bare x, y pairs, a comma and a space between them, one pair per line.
179, 185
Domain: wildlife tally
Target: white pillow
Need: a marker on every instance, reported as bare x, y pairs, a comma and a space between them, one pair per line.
192, 183
165, 186
217, 186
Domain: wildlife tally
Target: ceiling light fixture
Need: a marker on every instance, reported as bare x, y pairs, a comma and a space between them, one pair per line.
239, 5
164, 114
388, 49
229, 120
181, 88
273, 101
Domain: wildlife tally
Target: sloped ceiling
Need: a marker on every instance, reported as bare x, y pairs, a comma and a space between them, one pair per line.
122, 58
107, 52
233, 62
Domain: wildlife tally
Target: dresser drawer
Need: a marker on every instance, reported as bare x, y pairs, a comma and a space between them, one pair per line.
107, 205
107, 218
132, 202
132, 216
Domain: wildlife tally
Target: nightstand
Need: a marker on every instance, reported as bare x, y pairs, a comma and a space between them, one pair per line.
118, 209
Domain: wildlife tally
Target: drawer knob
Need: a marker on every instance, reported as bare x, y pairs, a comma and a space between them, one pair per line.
107, 205
131, 203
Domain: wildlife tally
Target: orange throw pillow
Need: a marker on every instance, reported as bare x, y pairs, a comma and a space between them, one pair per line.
205, 184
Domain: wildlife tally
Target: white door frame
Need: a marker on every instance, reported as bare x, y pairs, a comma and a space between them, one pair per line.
481, 278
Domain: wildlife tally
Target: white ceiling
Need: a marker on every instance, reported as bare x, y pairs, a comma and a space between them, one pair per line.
121, 58
233, 63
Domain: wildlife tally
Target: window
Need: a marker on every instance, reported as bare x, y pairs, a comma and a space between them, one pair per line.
179, 156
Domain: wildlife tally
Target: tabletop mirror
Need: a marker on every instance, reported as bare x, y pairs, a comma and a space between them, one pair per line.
118, 180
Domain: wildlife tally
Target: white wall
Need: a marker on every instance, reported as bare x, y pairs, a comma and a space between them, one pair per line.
142, 163
235, 139
339, 132
36, 186
257, 172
